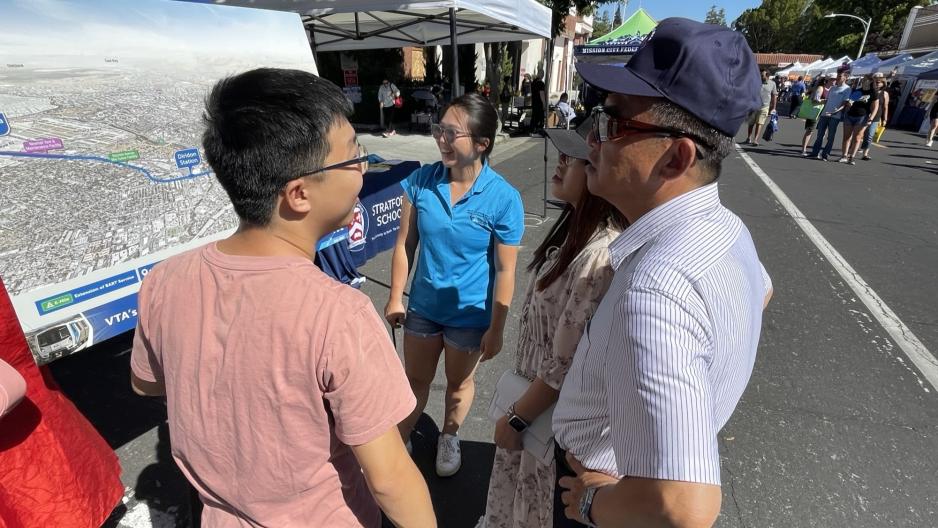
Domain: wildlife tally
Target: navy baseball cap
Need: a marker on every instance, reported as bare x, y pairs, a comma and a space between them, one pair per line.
706, 69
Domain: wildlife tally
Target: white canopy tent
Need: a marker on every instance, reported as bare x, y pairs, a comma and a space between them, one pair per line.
796, 67
817, 69
832, 67
805, 68
344, 25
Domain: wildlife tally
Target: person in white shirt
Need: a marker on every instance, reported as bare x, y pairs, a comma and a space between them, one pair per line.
387, 94
670, 349
565, 110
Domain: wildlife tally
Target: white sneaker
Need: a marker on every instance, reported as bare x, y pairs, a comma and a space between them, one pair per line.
448, 456
842, 160
928, 144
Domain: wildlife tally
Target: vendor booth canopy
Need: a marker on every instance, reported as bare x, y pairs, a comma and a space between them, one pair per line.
620, 43
836, 65
885, 66
343, 25
864, 64
920, 65
792, 68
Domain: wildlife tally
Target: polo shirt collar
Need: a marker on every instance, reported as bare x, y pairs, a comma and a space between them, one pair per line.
697, 202
485, 178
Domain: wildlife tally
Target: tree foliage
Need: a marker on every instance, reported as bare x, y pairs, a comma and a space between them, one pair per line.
601, 26
716, 16
799, 26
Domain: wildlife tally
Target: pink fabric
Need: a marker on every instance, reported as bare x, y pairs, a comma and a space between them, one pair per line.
271, 369
12, 387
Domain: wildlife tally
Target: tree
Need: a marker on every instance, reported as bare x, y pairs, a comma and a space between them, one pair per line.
617, 21
716, 16
601, 26
799, 26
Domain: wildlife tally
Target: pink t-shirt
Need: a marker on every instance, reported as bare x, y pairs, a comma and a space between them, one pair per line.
272, 369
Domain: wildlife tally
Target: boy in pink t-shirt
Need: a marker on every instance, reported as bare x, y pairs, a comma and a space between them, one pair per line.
283, 389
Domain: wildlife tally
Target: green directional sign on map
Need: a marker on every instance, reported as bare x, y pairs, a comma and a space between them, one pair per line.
124, 155
54, 303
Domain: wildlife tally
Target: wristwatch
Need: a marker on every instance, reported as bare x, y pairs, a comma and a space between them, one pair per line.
586, 504
516, 422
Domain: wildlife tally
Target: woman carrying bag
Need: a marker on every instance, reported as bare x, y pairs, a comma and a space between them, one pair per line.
389, 98
570, 274
810, 109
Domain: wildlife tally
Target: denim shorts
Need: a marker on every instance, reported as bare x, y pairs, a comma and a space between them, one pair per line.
464, 339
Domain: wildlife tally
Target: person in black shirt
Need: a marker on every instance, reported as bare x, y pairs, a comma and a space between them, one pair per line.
865, 105
538, 102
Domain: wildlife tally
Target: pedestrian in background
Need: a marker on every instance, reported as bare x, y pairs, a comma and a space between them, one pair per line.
818, 96
933, 116
570, 273
858, 117
878, 120
461, 225
758, 118
387, 98
798, 90
670, 349
283, 389
505, 97
838, 98
538, 102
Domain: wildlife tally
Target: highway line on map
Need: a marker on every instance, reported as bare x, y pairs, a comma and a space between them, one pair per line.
79, 157
910, 345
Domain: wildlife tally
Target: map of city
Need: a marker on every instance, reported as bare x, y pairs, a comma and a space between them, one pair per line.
100, 150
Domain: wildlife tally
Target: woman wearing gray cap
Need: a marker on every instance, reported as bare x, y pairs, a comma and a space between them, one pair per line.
570, 273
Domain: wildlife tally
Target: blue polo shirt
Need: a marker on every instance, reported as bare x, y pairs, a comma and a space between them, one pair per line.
455, 276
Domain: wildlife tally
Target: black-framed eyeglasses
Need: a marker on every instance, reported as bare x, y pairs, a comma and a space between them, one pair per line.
607, 127
362, 160
450, 134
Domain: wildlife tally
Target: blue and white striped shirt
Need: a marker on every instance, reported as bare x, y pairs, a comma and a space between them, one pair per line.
671, 347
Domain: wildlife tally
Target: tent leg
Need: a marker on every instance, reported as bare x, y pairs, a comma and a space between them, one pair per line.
544, 202
453, 45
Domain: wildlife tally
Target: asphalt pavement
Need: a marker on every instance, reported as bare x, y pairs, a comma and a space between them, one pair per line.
837, 427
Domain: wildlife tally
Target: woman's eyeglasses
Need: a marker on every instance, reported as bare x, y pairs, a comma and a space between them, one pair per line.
450, 134
607, 127
361, 160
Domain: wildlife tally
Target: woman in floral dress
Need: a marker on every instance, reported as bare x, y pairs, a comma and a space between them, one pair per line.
570, 274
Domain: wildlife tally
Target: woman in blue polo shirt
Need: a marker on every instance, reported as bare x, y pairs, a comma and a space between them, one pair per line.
468, 222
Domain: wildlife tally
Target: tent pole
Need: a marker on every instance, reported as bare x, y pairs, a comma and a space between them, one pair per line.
452, 39
548, 63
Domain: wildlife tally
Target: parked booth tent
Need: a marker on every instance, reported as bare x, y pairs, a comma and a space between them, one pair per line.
913, 102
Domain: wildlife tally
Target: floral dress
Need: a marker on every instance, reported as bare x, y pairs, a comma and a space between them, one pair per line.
521, 489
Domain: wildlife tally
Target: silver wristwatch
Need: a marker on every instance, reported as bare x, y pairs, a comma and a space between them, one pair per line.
586, 504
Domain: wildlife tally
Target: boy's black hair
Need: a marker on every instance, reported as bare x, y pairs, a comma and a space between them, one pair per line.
265, 127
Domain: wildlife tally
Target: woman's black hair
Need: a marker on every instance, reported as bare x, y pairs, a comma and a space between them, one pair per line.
481, 117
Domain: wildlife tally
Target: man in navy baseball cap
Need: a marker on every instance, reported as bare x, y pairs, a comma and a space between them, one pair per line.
670, 349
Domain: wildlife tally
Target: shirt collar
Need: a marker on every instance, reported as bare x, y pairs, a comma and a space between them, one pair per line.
693, 203
485, 178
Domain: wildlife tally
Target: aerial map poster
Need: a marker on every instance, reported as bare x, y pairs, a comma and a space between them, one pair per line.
101, 165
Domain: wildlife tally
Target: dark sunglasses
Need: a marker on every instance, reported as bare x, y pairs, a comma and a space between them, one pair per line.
607, 127
450, 134
362, 160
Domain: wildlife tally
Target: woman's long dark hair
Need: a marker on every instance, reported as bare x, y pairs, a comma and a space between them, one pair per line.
572, 232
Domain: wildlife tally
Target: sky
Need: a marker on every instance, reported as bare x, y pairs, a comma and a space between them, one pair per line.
147, 29
696, 10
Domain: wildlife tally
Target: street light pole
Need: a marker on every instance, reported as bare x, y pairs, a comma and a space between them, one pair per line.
866, 26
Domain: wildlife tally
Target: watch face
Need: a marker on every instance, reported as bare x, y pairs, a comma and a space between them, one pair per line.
517, 424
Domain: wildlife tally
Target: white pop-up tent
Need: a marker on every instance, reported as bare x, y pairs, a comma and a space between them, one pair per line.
808, 67
818, 68
794, 68
836, 65
344, 25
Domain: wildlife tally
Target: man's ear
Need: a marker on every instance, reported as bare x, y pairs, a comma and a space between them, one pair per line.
482, 145
297, 196
678, 158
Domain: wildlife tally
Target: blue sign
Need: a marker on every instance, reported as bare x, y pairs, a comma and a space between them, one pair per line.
4, 125
113, 318
188, 158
